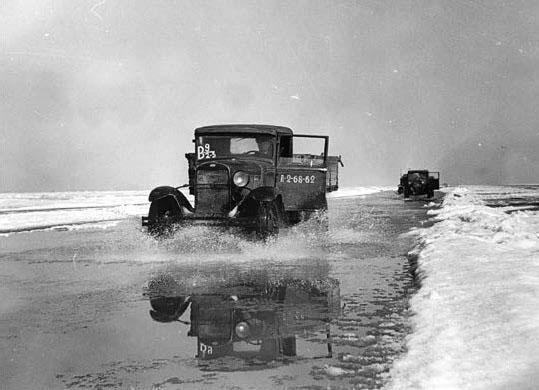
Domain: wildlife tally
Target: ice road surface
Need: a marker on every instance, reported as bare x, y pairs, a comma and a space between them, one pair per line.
476, 314
358, 191
23, 212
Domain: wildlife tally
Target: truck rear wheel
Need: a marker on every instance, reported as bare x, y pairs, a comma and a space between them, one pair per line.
406, 192
164, 214
267, 223
293, 217
288, 346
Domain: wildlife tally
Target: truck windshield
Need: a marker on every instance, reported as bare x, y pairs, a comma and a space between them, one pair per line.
417, 176
223, 146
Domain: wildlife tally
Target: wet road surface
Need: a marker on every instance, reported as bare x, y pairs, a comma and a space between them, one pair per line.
100, 309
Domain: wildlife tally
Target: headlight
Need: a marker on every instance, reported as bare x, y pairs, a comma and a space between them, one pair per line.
241, 179
242, 330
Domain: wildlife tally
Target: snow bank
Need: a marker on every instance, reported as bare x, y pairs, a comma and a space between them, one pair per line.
357, 191
42, 201
68, 210
476, 315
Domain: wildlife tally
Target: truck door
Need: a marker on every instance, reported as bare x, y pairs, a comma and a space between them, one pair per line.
301, 172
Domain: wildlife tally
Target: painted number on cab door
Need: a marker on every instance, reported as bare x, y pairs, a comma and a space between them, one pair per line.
298, 179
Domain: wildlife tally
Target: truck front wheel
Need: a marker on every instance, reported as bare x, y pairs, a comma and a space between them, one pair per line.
267, 222
164, 214
406, 192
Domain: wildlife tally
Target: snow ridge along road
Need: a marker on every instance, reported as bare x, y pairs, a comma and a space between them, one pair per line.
476, 322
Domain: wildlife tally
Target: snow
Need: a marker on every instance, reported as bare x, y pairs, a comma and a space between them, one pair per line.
358, 191
10, 202
68, 210
476, 315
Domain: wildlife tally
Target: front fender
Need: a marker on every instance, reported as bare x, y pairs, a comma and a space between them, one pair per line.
263, 194
164, 191
248, 206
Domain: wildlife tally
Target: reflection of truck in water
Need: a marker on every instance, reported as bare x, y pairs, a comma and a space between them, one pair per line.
254, 320
252, 176
419, 182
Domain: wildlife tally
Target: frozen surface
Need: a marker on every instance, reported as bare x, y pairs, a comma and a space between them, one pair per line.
33, 201
23, 212
358, 191
476, 315
74, 313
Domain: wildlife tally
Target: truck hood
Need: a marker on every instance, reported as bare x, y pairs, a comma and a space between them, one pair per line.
235, 164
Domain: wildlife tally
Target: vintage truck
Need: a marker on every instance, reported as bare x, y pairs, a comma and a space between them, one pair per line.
257, 177
252, 319
419, 182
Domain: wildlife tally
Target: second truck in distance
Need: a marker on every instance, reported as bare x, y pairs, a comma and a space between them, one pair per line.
419, 182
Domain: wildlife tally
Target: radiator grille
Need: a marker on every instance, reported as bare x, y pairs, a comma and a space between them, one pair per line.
212, 192
212, 176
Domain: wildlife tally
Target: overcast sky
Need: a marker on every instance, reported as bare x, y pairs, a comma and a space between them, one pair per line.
105, 94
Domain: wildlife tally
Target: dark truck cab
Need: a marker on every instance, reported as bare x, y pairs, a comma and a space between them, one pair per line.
419, 182
250, 176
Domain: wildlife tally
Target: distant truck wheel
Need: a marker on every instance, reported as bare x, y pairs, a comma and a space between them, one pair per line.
430, 193
164, 214
406, 192
293, 217
267, 223
288, 346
